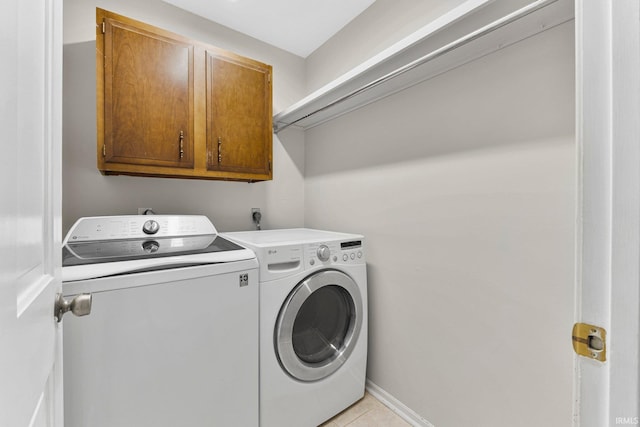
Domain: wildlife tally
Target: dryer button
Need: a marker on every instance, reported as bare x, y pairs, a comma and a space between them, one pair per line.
345, 257
313, 261
353, 256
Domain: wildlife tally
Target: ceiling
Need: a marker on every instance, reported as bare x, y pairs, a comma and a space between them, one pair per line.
297, 26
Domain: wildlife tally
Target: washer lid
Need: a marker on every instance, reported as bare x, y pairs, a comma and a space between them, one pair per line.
105, 246
83, 253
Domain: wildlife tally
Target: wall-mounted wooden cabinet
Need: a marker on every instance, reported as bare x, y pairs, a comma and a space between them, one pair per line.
235, 98
174, 107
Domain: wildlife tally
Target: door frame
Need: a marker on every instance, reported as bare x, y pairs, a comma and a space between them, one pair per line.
608, 208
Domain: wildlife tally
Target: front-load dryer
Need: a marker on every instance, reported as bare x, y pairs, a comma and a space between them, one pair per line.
313, 323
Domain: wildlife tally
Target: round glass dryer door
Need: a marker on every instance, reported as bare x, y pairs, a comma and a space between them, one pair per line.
318, 325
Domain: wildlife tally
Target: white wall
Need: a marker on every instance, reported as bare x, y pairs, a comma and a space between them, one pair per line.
464, 187
86, 192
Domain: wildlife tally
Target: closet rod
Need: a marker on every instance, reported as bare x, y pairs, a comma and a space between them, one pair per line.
495, 25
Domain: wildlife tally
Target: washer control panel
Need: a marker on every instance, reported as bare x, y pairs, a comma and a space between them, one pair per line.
328, 253
102, 228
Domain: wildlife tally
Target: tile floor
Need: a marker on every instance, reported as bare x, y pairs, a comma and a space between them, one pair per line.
367, 412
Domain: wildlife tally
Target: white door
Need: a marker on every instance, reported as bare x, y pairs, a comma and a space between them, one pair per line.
30, 226
608, 268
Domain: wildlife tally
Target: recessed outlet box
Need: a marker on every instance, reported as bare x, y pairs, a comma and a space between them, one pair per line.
256, 216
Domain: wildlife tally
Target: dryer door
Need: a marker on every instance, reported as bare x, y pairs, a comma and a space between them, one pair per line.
318, 325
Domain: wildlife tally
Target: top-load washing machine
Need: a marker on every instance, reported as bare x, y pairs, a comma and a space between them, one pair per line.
172, 338
313, 323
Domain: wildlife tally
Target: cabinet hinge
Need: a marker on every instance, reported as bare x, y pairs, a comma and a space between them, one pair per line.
269, 78
590, 341
104, 27
104, 150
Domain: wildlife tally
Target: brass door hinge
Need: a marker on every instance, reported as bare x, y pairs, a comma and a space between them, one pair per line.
104, 150
104, 27
590, 341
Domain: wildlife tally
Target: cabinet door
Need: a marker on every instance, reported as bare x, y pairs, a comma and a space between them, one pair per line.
239, 132
148, 97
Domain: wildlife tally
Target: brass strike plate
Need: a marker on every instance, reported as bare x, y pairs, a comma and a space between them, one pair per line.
590, 341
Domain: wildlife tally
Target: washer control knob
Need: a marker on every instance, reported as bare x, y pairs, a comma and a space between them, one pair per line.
323, 253
151, 246
150, 227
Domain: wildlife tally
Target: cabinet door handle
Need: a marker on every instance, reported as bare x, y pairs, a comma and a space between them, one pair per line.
181, 144
219, 150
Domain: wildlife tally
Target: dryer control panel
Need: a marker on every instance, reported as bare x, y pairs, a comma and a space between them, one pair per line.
336, 252
287, 252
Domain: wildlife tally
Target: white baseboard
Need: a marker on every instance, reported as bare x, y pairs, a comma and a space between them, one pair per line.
396, 406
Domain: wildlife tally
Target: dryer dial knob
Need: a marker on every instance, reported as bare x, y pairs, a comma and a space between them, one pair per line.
150, 227
323, 253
